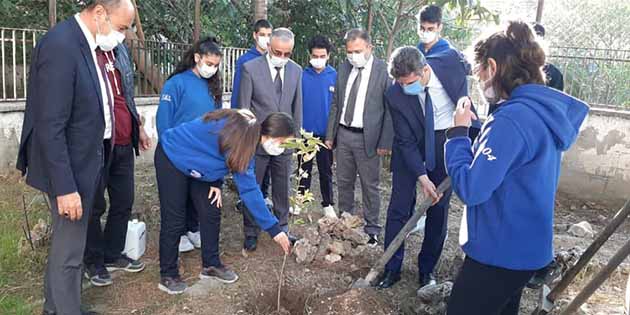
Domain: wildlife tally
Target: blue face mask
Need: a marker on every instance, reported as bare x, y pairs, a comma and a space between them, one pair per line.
413, 88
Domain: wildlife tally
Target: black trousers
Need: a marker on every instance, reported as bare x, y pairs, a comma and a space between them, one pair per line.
174, 189
486, 290
324, 159
106, 245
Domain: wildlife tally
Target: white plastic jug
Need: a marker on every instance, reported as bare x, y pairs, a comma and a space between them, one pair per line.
136, 241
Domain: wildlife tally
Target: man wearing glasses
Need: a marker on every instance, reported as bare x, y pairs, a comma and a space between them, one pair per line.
272, 83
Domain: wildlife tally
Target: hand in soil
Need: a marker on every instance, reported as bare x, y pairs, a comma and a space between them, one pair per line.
283, 240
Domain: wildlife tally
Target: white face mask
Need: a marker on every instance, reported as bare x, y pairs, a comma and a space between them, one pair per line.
318, 63
427, 37
206, 71
358, 60
272, 148
109, 41
262, 41
278, 62
488, 90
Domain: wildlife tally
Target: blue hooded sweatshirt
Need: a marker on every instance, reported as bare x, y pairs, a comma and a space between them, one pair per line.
442, 45
184, 97
252, 53
317, 92
193, 148
509, 179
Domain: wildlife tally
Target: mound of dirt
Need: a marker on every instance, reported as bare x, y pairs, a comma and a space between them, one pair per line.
354, 301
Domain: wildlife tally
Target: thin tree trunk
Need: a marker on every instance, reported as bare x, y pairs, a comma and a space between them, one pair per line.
197, 29
370, 16
52, 13
539, 10
395, 28
260, 9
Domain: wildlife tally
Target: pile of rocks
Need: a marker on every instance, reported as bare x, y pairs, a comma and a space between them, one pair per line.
333, 239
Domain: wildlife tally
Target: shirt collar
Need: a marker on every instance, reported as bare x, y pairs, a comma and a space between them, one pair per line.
86, 32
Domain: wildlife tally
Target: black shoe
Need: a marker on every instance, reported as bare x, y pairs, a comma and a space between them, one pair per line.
545, 275
126, 264
250, 243
388, 279
98, 276
373, 240
221, 274
427, 279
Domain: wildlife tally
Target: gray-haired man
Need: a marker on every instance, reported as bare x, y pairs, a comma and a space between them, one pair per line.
272, 83
360, 126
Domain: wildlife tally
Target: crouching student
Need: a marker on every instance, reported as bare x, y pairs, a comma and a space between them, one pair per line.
206, 149
508, 179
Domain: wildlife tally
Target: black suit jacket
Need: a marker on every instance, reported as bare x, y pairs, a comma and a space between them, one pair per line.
61, 148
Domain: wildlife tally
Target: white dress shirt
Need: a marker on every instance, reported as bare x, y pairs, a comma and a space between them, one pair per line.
443, 107
357, 120
106, 103
273, 70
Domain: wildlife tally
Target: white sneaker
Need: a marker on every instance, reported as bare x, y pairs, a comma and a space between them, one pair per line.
268, 202
295, 210
195, 238
329, 211
420, 225
185, 245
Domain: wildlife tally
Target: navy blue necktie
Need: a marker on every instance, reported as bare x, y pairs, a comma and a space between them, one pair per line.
429, 132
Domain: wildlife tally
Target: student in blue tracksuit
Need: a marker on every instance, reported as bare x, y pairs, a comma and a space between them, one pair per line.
429, 29
262, 35
508, 179
422, 103
190, 92
318, 86
191, 161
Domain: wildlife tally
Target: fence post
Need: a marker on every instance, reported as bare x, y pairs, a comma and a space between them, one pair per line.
52, 13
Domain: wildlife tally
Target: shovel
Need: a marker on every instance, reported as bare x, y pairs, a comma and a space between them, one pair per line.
379, 266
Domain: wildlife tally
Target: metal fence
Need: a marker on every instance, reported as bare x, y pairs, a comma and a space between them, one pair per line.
153, 62
16, 46
601, 77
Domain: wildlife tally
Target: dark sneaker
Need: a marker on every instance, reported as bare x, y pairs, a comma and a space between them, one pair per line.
126, 264
172, 285
427, 279
373, 240
222, 274
545, 275
250, 244
98, 276
388, 279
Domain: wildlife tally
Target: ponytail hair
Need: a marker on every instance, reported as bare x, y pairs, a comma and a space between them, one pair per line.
518, 55
241, 133
208, 45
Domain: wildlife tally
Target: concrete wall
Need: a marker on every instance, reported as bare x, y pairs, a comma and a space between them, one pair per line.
596, 168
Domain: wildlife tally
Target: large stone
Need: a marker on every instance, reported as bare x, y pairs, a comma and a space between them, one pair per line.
432, 299
582, 229
327, 224
351, 221
336, 247
332, 258
304, 252
325, 240
356, 236
312, 236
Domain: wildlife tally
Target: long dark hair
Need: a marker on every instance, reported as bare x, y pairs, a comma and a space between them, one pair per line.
241, 133
205, 46
518, 55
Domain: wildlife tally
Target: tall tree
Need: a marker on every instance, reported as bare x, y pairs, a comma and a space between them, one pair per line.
260, 9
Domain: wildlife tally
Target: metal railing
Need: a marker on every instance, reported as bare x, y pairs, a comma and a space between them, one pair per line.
153, 62
601, 77
16, 46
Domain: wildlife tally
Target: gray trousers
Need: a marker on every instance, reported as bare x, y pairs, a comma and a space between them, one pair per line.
280, 167
62, 281
352, 159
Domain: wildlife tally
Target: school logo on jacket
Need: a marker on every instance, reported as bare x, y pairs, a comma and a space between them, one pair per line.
331, 89
166, 97
195, 174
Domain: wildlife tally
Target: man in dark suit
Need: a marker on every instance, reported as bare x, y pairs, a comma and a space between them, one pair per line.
68, 115
360, 126
272, 83
422, 103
